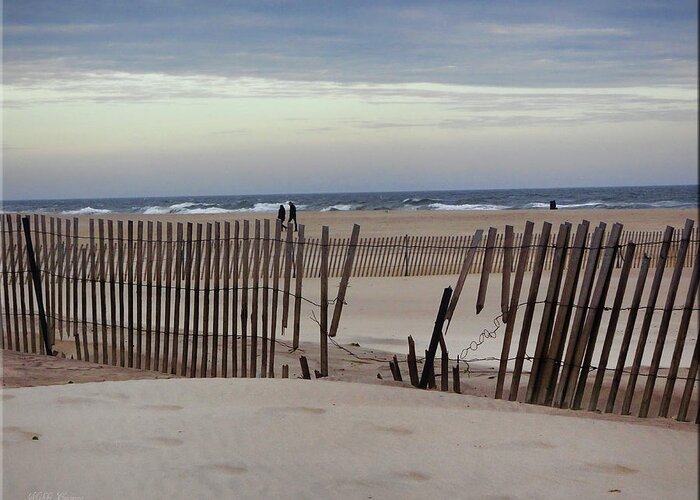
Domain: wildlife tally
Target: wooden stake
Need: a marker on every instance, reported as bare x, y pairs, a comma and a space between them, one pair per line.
254, 303
306, 374
275, 288
188, 292
340, 299
680, 339
486, 269
550, 366
587, 339
581, 307
629, 328
666, 318
265, 295
411, 361
612, 325
505, 272
324, 301
244, 299
646, 324
513, 308
529, 309
298, 287
204, 370
463, 275
550, 306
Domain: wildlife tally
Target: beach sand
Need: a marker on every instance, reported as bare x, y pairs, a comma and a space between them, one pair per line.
330, 438
433, 222
187, 438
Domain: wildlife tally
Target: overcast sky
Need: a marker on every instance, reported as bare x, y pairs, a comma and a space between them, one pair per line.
154, 97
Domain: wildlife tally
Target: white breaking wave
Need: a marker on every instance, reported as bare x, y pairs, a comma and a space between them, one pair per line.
205, 210
88, 211
268, 207
467, 206
185, 208
342, 208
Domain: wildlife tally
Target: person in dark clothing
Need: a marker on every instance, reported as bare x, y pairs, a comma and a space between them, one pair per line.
292, 215
281, 214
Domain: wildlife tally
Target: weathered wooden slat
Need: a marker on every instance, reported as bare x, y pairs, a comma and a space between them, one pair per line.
324, 302
298, 286
679, 260
612, 325
265, 296
6, 251
103, 292
548, 312
629, 329
206, 300
197, 273
580, 314
412, 364
680, 339
15, 285
189, 257
463, 275
254, 301
149, 294
93, 292
47, 282
169, 253
225, 299
234, 299
344, 280
21, 286
245, 274
513, 308
52, 318
646, 324
587, 339
178, 268
529, 310
158, 276
287, 278
689, 385
505, 272
275, 288
486, 269
83, 256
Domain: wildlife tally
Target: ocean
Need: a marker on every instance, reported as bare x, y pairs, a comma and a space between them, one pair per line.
487, 199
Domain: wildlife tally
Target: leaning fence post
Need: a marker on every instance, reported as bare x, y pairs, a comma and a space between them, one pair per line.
37, 287
435, 339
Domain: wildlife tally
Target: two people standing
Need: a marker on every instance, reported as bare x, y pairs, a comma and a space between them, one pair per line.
292, 215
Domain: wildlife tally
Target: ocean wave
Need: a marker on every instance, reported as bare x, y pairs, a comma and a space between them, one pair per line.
337, 208
177, 208
205, 210
420, 201
467, 206
88, 211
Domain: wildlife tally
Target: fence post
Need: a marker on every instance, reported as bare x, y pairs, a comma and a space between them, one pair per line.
405, 255
435, 339
37, 287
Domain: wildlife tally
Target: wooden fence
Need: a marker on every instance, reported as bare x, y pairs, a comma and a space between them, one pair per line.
375, 256
188, 299
563, 373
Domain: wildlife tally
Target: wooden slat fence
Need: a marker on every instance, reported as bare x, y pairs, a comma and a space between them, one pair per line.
178, 298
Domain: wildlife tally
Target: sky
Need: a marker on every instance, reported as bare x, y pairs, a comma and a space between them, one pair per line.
178, 97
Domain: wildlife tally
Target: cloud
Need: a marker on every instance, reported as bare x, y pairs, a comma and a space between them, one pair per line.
468, 43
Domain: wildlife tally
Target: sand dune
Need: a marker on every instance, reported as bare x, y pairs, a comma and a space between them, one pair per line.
319, 439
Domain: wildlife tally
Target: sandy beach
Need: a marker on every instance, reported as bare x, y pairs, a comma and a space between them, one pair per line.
377, 432
433, 222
